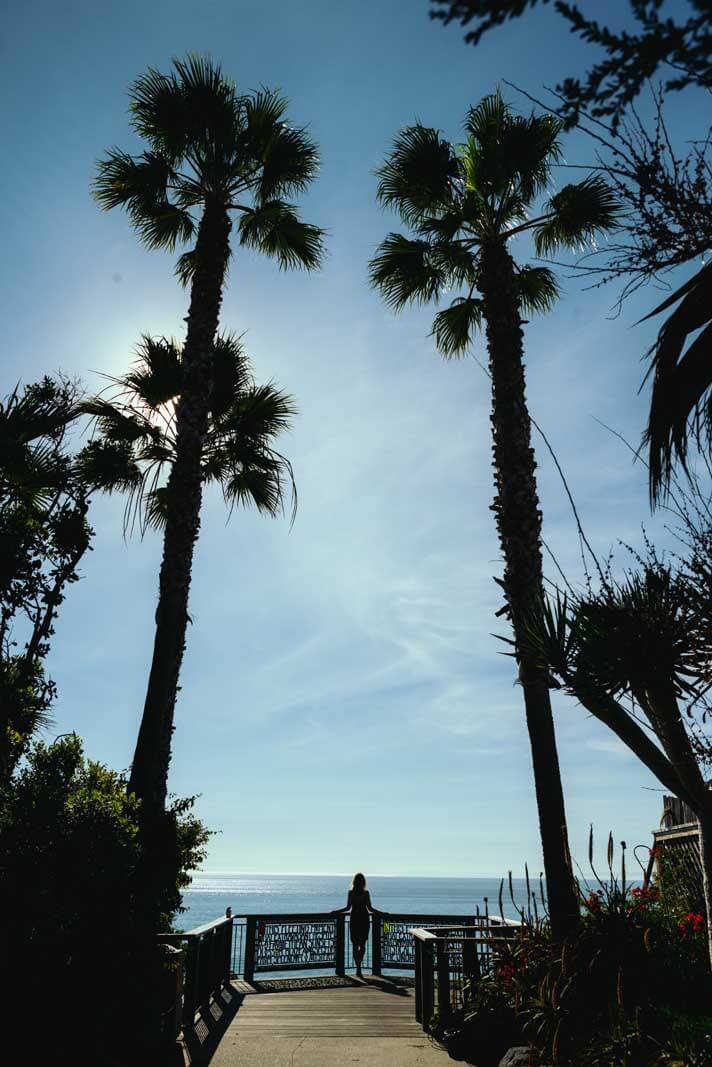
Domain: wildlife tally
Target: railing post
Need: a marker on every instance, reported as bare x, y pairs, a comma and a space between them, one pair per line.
418, 980
376, 944
444, 1007
428, 984
250, 945
340, 960
227, 952
191, 980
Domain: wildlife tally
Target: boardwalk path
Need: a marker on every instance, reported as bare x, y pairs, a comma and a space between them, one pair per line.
371, 1023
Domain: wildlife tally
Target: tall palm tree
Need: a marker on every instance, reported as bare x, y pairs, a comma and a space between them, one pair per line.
134, 450
212, 154
462, 205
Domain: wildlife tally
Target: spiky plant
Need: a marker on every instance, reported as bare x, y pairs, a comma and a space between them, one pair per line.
641, 646
213, 154
462, 205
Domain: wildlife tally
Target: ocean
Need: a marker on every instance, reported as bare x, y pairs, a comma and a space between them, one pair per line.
210, 894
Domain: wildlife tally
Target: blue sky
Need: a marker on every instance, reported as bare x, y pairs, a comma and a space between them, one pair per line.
344, 704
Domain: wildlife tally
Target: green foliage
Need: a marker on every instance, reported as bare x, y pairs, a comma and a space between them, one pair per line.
679, 882
626, 990
72, 859
134, 446
631, 58
210, 144
457, 199
43, 536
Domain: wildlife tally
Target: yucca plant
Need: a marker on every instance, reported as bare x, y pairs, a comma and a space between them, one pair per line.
462, 205
645, 641
213, 154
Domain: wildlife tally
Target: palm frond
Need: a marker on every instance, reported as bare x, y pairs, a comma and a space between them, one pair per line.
109, 466
264, 483
274, 227
289, 158
157, 375
485, 121
118, 422
232, 374
193, 108
538, 289
185, 267
579, 213
404, 271
156, 508
454, 327
140, 185
418, 175
680, 400
257, 414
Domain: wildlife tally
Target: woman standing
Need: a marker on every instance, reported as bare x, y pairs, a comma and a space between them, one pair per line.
359, 904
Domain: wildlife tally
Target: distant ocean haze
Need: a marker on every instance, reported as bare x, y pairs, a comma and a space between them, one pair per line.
252, 894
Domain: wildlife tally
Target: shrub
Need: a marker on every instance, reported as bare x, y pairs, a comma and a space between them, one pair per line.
71, 863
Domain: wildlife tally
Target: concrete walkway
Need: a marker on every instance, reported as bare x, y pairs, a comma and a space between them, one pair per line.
370, 1022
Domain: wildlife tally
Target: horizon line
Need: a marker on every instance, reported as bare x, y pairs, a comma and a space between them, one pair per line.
222, 871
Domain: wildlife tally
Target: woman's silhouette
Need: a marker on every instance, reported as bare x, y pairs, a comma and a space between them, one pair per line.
359, 903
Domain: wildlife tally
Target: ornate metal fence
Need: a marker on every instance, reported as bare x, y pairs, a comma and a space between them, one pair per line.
278, 943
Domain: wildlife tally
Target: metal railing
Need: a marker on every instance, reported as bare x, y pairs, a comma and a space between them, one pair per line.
279, 943
441, 949
447, 959
208, 958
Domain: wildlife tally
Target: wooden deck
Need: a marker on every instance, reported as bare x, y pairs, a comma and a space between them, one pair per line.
341, 1013
372, 1008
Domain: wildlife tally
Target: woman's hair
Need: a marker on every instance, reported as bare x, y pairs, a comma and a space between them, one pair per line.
359, 882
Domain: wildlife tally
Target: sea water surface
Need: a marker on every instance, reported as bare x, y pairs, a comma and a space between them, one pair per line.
210, 894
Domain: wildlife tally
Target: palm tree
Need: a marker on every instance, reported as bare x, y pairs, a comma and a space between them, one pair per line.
134, 449
462, 205
212, 154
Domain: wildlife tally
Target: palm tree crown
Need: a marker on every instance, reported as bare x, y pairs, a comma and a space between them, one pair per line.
134, 447
457, 198
210, 144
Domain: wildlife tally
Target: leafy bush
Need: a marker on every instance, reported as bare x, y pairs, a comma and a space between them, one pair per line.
632, 988
71, 863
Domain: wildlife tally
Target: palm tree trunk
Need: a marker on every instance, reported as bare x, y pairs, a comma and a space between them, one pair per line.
149, 771
516, 506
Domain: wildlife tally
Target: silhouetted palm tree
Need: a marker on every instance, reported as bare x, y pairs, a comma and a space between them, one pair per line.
462, 205
217, 153
133, 448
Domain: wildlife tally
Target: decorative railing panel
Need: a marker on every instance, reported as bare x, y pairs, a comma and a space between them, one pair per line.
397, 948
293, 946
278, 943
